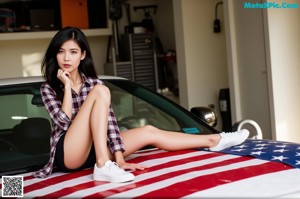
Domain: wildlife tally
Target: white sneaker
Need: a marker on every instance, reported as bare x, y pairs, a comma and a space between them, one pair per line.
111, 172
231, 139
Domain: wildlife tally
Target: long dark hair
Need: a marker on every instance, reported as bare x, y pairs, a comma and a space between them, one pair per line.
50, 65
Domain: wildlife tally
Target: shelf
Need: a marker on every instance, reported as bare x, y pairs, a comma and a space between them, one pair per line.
50, 34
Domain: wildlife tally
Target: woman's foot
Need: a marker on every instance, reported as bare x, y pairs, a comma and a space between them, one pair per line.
230, 139
111, 172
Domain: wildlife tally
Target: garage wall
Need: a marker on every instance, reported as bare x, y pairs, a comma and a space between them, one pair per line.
247, 63
22, 58
202, 63
264, 67
284, 30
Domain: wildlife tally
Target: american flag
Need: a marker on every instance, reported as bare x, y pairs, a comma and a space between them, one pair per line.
177, 174
278, 151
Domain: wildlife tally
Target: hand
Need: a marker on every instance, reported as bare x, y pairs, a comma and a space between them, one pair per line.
131, 166
63, 76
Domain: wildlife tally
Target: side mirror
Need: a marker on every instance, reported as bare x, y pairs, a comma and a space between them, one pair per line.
206, 114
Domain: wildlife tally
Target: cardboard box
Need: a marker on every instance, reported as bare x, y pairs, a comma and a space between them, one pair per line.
74, 13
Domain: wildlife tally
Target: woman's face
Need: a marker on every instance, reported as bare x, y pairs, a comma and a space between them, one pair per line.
69, 56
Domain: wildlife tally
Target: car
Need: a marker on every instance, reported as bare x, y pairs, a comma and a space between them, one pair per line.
257, 168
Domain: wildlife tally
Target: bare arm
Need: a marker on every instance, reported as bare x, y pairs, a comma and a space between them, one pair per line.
63, 76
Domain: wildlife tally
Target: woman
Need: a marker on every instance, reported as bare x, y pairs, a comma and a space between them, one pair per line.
84, 129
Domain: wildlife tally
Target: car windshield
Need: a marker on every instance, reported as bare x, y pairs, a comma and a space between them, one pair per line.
136, 106
25, 124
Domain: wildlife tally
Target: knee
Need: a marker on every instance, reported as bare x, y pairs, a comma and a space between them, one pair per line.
102, 92
151, 133
150, 129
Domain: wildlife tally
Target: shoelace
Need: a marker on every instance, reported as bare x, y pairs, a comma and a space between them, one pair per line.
229, 133
115, 167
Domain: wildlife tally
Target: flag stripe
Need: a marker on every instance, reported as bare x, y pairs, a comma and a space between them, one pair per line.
196, 184
56, 187
168, 175
46, 182
69, 190
272, 185
175, 162
150, 174
162, 154
56, 179
164, 184
62, 177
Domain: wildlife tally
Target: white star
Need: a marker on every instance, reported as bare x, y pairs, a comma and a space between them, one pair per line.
241, 146
297, 162
281, 146
238, 150
259, 148
257, 153
264, 144
280, 150
279, 158
297, 154
273, 142
258, 141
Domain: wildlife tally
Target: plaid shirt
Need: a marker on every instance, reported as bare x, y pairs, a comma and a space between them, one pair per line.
61, 122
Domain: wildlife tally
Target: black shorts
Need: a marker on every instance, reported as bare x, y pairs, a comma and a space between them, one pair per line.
59, 158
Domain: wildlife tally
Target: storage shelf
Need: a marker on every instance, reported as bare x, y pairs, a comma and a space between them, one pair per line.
50, 34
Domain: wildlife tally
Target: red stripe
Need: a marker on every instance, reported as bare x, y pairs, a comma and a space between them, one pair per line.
70, 176
55, 180
28, 177
147, 150
178, 162
212, 180
171, 174
69, 190
58, 179
162, 154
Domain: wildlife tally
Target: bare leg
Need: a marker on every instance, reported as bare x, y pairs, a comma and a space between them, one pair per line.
89, 126
134, 139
